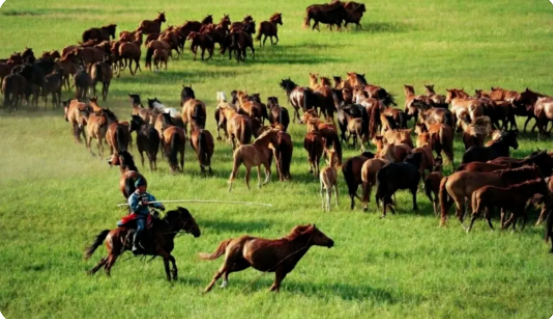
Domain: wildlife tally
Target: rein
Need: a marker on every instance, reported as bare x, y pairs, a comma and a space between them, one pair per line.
278, 264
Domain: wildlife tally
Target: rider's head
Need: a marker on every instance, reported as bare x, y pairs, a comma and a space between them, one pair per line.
140, 185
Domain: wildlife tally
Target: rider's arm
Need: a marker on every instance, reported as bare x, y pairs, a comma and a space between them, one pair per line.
151, 198
134, 202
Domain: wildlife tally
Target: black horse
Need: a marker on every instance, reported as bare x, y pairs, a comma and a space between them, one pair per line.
396, 176
147, 140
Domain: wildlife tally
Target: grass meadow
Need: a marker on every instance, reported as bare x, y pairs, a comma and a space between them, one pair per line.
55, 197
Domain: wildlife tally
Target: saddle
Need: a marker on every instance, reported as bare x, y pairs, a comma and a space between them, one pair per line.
146, 240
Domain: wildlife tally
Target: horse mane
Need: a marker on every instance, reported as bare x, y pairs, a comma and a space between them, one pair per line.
128, 161
299, 231
275, 16
529, 184
264, 135
519, 174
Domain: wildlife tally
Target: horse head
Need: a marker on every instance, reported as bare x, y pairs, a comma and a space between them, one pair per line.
409, 90
187, 93
316, 237
414, 158
186, 222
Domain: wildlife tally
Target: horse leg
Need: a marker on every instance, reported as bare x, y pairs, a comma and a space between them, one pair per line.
239, 265
203, 53
102, 262
247, 178
265, 39
414, 193
322, 196
111, 260
542, 216
230, 259
88, 144
488, 217
101, 147
259, 176
280, 274
268, 171
526, 123
328, 199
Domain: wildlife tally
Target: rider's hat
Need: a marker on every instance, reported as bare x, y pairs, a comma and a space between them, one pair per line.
140, 182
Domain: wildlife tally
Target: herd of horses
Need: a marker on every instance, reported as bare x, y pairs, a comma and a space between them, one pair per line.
99, 56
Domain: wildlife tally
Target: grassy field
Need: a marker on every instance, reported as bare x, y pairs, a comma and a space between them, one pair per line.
55, 197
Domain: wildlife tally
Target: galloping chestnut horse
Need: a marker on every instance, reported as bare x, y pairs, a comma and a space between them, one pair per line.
257, 154
98, 120
269, 29
100, 34
129, 172
279, 256
173, 140
73, 110
148, 26
162, 236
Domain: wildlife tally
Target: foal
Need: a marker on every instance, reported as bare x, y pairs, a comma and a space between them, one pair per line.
329, 178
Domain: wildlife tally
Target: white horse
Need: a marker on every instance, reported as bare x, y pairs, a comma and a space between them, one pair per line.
221, 97
158, 106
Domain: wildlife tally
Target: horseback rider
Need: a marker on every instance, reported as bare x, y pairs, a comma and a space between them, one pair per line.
138, 204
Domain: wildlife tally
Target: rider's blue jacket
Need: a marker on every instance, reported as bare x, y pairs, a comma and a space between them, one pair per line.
135, 203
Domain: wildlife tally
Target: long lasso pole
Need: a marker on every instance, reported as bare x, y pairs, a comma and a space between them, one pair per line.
204, 202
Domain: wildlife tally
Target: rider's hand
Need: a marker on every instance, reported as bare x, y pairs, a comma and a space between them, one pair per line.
162, 208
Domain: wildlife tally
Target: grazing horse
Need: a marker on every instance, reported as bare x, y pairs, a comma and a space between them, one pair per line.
100, 34
202, 142
351, 169
239, 127
101, 72
369, 170
147, 140
329, 179
161, 239
73, 110
499, 148
298, 97
459, 186
513, 198
432, 184
257, 154
331, 14
269, 29
279, 256
193, 111
396, 176
129, 172
149, 26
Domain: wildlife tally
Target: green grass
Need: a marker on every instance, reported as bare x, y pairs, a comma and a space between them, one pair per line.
55, 198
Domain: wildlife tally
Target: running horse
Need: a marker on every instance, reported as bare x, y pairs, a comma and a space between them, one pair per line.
268, 29
279, 256
161, 240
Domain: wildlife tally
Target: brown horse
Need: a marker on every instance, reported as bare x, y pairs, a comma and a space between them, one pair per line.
52, 85
428, 114
82, 82
102, 72
328, 132
331, 14
130, 52
329, 179
439, 100
424, 146
269, 29
354, 13
240, 41
202, 142
410, 96
161, 57
257, 154
279, 256
368, 177
161, 239
14, 86
149, 26
351, 169
151, 47
247, 106
147, 140
118, 137
202, 40
432, 184
193, 110
100, 34
391, 152
313, 143
462, 104
239, 127
441, 139
475, 133
173, 140
73, 114
129, 172
98, 120
283, 149
513, 198
543, 112
459, 186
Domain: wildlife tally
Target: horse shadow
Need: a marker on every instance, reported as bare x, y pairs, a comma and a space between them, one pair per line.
385, 27
236, 226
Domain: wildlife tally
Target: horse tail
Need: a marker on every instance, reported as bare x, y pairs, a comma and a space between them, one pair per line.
198, 117
237, 161
387, 98
379, 188
7, 100
307, 21
202, 149
149, 54
337, 147
129, 187
245, 134
97, 242
174, 149
218, 252
347, 171
444, 199
259, 34
374, 117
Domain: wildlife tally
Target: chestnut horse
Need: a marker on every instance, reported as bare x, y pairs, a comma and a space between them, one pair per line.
441, 139
329, 179
204, 41
202, 142
239, 127
129, 172
161, 239
313, 143
283, 149
147, 140
279, 256
193, 110
173, 139
369, 169
513, 198
257, 154
432, 184
499, 148
98, 120
149, 26
73, 110
269, 29
459, 186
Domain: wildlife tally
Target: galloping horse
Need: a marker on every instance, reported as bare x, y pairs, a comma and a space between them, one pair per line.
149, 26
162, 236
279, 256
269, 29
193, 111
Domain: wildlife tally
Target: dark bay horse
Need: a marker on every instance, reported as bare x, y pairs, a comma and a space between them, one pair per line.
202, 142
149, 26
147, 140
100, 34
298, 97
499, 148
268, 29
331, 14
161, 238
279, 256
352, 174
